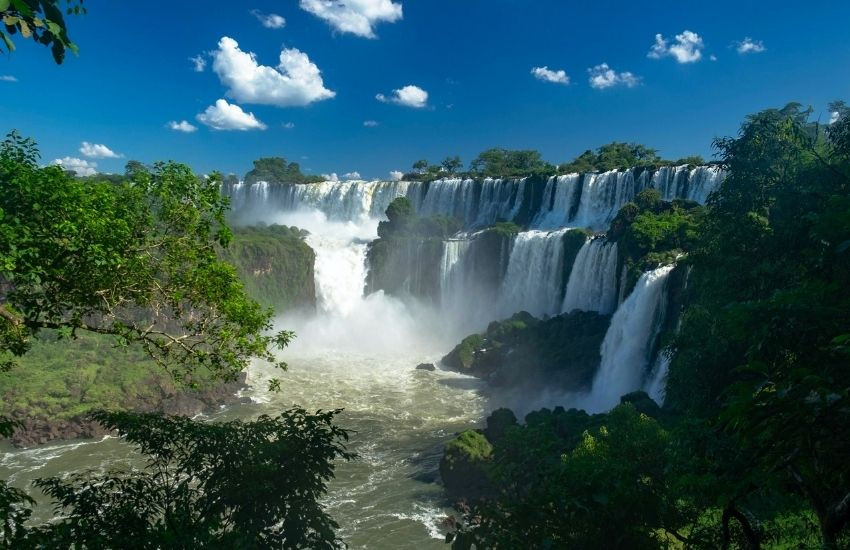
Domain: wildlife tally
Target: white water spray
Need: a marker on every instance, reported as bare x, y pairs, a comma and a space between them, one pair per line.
592, 285
628, 343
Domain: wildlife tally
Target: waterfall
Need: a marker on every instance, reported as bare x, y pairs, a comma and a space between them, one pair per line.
602, 196
478, 203
702, 181
557, 202
627, 348
340, 272
671, 182
656, 385
590, 200
533, 279
592, 285
339, 201
451, 269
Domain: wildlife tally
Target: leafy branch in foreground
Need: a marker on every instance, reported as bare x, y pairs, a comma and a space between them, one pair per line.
135, 259
40, 20
223, 485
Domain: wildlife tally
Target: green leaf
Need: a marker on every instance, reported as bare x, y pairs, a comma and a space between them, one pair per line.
8, 41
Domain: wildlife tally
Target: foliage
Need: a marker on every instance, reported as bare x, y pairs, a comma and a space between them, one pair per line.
41, 20
505, 163
569, 480
275, 265
451, 164
225, 485
277, 170
771, 274
135, 260
612, 156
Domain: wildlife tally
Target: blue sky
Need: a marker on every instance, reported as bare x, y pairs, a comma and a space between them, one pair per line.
473, 58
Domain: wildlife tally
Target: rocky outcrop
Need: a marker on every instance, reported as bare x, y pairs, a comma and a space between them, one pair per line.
562, 351
170, 401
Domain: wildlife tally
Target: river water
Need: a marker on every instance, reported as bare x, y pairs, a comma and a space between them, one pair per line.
358, 354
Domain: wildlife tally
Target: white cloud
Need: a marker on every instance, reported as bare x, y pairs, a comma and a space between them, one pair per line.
370, 123
602, 76
269, 20
8, 78
296, 81
409, 96
355, 16
355, 175
712, 57
98, 151
687, 47
80, 166
331, 177
199, 63
396, 175
225, 116
748, 45
182, 126
547, 75
834, 116
289, 125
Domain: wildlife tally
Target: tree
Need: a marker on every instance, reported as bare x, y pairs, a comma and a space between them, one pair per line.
224, 485
420, 166
278, 170
134, 260
452, 164
41, 20
771, 273
614, 156
498, 163
569, 480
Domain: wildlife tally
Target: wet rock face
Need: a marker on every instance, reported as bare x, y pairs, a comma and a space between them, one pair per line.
426, 366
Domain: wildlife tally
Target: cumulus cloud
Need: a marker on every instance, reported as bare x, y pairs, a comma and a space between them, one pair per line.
226, 116
712, 57
748, 45
199, 63
396, 175
354, 16
602, 76
687, 47
331, 177
295, 82
98, 151
409, 96
355, 175
289, 125
80, 166
547, 75
8, 78
834, 116
370, 123
182, 126
269, 20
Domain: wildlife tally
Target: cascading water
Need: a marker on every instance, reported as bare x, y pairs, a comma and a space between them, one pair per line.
602, 196
339, 201
558, 199
657, 382
589, 200
627, 348
533, 279
592, 285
